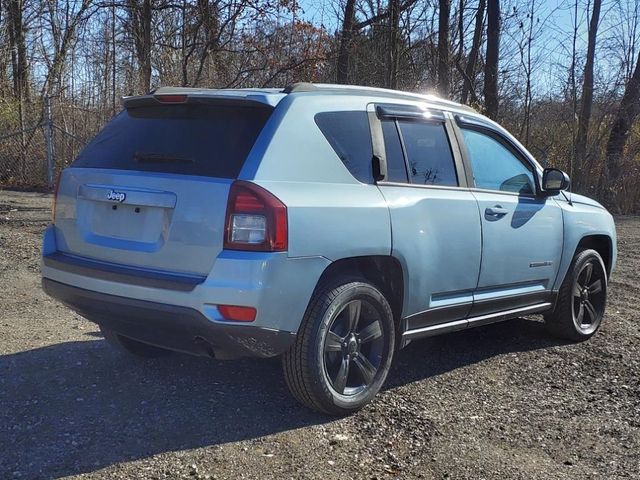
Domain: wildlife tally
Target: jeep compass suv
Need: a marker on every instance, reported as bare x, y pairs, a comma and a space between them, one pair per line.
325, 224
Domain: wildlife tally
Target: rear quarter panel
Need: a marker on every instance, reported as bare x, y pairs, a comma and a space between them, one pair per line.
334, 220
330, 213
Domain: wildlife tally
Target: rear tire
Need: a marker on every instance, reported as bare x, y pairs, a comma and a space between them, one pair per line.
582, 299
343, 350
133, 347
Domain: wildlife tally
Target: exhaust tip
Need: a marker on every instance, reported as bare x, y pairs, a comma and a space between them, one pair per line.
205, 346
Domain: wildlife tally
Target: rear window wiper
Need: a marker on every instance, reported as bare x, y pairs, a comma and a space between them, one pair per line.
144, 157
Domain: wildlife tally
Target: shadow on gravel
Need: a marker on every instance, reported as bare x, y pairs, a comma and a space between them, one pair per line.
436, 355
80, 406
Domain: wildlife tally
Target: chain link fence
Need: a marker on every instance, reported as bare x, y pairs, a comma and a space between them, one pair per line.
31, 158
23, 161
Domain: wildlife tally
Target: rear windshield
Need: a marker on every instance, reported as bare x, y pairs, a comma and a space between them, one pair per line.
195, 139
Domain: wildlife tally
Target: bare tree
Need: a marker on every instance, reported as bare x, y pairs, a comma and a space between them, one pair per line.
200, 38
393, 49
63, 25
587, 87
468, 86
17, 41
350, 27
491, 60
140, 15
573, 86
444, 12
211, 28
628, 113
348, 23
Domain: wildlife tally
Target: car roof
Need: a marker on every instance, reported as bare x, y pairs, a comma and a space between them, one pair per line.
272, 96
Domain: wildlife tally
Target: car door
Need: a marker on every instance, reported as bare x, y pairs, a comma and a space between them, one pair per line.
436, 232
522, 230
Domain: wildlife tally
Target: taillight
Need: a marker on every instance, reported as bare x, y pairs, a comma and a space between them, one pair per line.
255, 220
55, 198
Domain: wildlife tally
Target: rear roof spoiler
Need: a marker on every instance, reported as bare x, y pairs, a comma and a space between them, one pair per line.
240, 97
191, 99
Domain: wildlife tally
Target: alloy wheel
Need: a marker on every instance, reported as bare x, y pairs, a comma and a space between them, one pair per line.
589, 296
353, 348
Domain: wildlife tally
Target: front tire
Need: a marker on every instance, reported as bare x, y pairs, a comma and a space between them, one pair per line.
133, 347
343, 349
581, 300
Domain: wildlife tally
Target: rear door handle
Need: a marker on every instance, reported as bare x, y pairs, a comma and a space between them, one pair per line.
496, 211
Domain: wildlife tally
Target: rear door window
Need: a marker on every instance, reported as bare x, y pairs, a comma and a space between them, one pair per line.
205, 140
396, 167
429, 156
349, 134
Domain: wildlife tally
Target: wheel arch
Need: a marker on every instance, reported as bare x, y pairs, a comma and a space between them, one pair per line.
383, 271
603, 244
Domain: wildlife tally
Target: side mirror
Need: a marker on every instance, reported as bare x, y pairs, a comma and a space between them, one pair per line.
554, 180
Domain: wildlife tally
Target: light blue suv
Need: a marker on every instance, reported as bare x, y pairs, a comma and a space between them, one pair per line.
327, 224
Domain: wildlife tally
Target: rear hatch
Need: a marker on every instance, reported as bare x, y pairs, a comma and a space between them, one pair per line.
150, 190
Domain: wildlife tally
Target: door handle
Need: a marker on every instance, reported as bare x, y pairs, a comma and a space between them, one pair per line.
496, 211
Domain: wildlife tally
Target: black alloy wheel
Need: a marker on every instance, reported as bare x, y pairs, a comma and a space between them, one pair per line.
343, 349
353, 348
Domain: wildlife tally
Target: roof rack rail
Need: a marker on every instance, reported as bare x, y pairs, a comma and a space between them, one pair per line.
357, 89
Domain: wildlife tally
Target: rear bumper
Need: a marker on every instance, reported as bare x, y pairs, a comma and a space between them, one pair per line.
277, 286
177, 328
117, 273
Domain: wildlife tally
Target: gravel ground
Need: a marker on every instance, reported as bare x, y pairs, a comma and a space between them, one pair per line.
503, 401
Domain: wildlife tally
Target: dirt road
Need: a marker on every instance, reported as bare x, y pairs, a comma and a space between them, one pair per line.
504, 401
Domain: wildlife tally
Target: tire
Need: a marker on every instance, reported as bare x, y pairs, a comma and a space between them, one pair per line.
133, 347
581, 300
343, 350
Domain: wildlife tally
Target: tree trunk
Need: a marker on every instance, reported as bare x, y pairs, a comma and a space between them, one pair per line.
443, 47
145, 53
587, 88
394, 47
17, 41
491, 61
573, 88
526, 61
628, 113
461, 9
3, 60
19, 70
140, 29
183, 46
468, 87
211, 25
113, 60
344, 53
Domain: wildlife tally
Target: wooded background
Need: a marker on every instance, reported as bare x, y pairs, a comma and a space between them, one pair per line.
563, 76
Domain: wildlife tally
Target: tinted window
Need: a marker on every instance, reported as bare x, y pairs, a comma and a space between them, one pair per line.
428, 154
496, 167
396, 168
349, 135
186, 139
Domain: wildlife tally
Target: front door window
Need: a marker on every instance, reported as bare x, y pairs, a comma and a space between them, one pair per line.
496, 167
